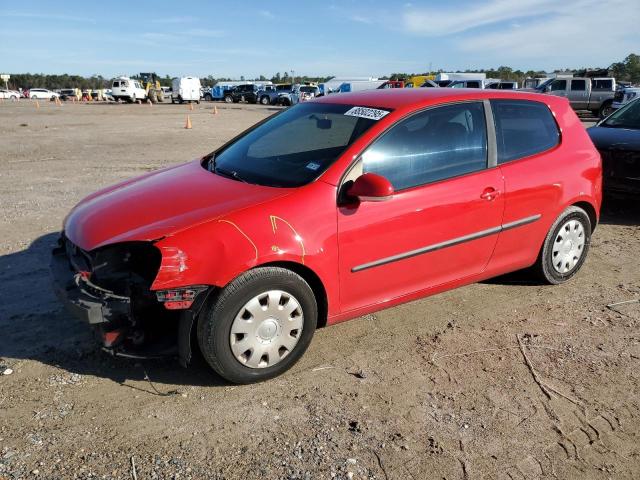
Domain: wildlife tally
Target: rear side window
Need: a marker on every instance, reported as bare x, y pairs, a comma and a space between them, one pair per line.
523, 128
602, 84
580, 85
558, 85
433, 145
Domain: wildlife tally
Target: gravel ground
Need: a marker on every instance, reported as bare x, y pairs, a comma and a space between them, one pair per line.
438, 388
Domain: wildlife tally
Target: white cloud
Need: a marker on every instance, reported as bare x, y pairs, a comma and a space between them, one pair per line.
580, 33
267, 14
48, 16
361, 19
203, 32
435, 22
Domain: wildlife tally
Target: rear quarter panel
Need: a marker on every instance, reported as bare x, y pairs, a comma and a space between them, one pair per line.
547, 184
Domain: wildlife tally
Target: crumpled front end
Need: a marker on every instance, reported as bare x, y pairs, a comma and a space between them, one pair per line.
110, 289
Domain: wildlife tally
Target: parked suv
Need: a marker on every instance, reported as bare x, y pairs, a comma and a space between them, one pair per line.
593, 94
243, 93
332, 209
270, 96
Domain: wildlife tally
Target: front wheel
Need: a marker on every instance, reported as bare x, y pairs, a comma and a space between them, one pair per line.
228, 99
565, 247
259, 325
265, 101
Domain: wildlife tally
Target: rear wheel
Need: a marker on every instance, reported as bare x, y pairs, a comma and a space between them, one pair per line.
605, 110
259, 325
265, 100
228, 99
565, 247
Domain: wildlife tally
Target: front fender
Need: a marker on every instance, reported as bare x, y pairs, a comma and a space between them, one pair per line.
285, 230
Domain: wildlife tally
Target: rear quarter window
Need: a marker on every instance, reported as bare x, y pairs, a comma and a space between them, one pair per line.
523, 128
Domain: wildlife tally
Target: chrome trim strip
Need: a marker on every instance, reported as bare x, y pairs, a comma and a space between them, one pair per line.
522, 221
446, 244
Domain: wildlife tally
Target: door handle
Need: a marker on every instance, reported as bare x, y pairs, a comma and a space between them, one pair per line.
489, 194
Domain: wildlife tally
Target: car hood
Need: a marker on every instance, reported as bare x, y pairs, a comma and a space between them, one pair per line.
160, 204
607, 138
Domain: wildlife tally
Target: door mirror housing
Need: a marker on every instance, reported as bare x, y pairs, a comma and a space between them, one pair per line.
371, 187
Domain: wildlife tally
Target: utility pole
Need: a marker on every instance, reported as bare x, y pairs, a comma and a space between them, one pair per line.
293, 77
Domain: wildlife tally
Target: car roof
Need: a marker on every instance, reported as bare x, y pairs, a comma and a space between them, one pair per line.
401, 98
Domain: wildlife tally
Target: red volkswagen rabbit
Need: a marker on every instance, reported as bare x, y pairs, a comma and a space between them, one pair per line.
326, 211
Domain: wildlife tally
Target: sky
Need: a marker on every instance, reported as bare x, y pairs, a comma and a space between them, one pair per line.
330, 37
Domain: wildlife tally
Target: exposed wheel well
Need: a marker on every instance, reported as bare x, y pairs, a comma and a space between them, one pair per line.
314, 282
591, 211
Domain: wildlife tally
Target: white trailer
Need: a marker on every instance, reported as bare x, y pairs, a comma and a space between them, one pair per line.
333, 84
441, 77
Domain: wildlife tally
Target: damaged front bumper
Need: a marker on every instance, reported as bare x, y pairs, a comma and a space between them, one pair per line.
86, 301
130, 321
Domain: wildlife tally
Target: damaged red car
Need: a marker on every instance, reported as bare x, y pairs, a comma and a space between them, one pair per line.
326, 211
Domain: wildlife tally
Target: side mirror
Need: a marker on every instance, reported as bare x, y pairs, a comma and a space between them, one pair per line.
371, 187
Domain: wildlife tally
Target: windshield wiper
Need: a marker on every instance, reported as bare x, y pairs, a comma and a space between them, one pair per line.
212, 167
228, 173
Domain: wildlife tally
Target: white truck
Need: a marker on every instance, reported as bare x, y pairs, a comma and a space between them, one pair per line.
185, 89
128, 90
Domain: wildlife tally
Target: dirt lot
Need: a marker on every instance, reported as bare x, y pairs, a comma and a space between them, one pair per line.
438, 388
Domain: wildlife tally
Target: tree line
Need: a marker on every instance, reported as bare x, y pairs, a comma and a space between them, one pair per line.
626, 70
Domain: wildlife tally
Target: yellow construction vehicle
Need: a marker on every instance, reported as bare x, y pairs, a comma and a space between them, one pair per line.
151, 84
417, 80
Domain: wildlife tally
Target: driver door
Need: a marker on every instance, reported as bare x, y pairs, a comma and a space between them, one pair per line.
443, 220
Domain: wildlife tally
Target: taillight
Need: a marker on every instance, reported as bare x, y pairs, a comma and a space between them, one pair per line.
179, 298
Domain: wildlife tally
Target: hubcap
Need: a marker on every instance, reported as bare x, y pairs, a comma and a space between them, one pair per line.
568, 247
266, 329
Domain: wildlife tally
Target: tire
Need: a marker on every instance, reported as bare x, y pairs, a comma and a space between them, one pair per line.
227, 313
34, 97
153, 96
561, 255
13, 98
228, 99
208, 97
605, 110
265, 100
180, 100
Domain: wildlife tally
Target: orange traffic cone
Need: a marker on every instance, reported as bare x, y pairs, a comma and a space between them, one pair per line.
188, 125
37, 105
215, 110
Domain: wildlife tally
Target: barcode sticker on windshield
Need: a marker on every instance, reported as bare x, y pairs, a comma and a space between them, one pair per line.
366, 112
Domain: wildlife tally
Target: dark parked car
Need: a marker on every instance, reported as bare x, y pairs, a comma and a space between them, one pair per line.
617, 137
242, 93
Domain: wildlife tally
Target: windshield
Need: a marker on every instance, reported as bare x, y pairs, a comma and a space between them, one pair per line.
544, 85
626, 117
293, 148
